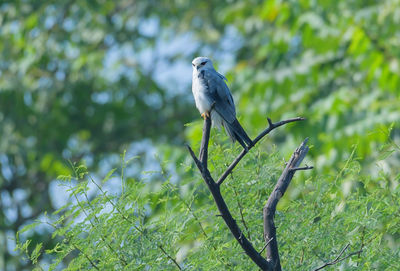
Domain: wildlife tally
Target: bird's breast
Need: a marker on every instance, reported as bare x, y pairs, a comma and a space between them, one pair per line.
201, 95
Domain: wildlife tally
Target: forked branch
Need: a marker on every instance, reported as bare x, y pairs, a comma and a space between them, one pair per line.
339, 258
214, 187
220, 202
271, 127
269, 210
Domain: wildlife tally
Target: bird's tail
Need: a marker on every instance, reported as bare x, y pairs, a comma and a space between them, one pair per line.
236, 132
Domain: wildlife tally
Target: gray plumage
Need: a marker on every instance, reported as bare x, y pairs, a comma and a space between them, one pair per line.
213, 97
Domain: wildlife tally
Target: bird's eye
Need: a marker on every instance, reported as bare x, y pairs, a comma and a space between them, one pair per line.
203, 63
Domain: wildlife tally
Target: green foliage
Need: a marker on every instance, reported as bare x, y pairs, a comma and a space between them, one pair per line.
71, 87
149, 226
84, 80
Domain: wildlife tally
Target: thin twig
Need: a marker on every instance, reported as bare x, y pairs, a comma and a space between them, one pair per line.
362, 242
172, 259
341, 252
338, 259
271, 127
194, 215
74, 245
241, 213
301, 168
86, 256
269, 241
197, 161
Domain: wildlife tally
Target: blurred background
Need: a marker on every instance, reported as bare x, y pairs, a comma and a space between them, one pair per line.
86, 80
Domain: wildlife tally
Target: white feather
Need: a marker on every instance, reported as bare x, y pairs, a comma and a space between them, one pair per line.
203, 102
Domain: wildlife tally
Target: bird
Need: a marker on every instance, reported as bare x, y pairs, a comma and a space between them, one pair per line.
214, 100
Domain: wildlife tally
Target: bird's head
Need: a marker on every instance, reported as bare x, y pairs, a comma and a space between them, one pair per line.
201, 63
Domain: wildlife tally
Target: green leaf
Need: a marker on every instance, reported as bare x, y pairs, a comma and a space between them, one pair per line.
107, 177
29, 227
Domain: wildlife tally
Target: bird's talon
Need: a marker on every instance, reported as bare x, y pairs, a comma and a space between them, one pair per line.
205, 115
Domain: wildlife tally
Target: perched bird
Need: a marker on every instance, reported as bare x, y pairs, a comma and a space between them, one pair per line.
213, 99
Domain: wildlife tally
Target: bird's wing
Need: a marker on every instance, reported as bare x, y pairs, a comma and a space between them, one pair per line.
220, 95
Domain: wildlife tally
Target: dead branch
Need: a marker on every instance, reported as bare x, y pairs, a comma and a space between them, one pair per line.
220, 202
270, 207
271, 127
214, 187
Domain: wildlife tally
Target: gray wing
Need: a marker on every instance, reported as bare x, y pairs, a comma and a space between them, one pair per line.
220, 95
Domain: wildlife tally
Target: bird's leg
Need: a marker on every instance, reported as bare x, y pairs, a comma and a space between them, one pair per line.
205, 115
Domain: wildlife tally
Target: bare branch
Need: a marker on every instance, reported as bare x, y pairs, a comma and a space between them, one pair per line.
232, 166
341, 252
270, 207
271, 263
220, 202
270, 122
301, 168
204, 142
271, 127
196, 161
338, 259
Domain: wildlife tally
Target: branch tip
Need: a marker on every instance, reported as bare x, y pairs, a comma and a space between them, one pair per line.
271, 127
270, 122
301, 168
191, 152
278, 191
305, 141
195, 159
